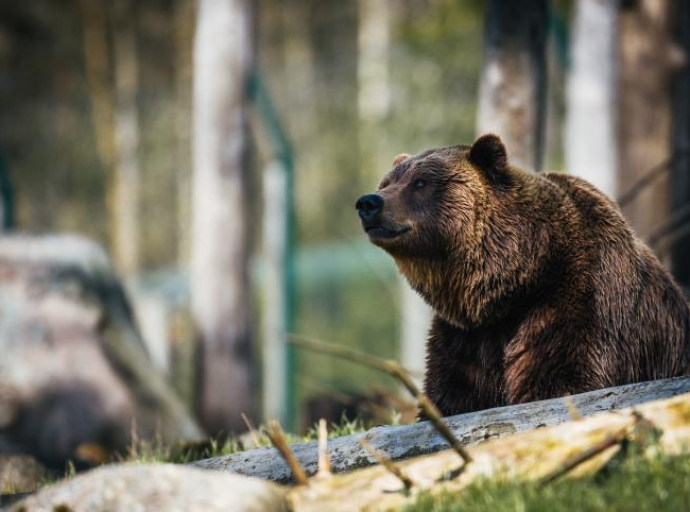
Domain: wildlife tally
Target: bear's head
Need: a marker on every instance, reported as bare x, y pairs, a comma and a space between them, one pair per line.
443, 216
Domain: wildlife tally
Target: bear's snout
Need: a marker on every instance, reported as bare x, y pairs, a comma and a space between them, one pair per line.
369, 207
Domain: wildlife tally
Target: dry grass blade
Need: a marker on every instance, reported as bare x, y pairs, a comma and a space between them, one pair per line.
572, 410
324, 460
277, 437
393, 369
252, 430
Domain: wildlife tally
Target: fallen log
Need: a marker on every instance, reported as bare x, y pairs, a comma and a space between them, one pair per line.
401, 442
576, 448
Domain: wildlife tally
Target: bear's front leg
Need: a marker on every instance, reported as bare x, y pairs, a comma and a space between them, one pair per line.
552, 359
463, 373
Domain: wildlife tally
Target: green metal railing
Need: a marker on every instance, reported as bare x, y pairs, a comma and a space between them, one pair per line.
6, 197
284, 154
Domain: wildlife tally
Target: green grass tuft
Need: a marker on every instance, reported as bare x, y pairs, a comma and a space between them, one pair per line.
156, 451
635, 484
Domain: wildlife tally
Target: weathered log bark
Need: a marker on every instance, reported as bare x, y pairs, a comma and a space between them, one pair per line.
537, 456
406, 441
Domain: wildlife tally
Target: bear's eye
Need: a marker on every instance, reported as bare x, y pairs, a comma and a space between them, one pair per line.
419, 183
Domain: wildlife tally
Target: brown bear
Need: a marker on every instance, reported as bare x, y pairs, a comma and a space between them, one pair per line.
539, 286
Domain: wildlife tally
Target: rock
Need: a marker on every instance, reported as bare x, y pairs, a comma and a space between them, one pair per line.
157, 487
75, 379
20, 474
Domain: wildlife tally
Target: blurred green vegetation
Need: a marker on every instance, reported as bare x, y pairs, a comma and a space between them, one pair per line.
308, 55
434, 61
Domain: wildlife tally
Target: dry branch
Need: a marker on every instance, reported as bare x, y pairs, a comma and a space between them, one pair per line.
277, 438
396, 371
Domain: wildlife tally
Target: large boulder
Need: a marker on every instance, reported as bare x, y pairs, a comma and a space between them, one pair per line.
157, 487
76, 382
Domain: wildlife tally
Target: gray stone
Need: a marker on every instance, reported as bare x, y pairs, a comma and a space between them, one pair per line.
75, 378
157, 487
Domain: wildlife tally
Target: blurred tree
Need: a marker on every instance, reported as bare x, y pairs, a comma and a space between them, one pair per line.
126, 182
373, 43
98, 77
648, 57
184, 30
221, 225
680, 192
6, 197
511, 90
591, 149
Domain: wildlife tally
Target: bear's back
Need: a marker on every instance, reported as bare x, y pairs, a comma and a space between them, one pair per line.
637, 305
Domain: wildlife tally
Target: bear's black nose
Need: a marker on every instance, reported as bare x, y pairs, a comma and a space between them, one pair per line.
369, 207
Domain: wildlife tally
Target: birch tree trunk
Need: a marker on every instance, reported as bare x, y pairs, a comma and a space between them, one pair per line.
373, 43
224, 53
373, 104
512, 90
648, 58
590, 148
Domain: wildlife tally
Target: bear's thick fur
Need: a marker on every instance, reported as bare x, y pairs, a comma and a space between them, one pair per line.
539, 286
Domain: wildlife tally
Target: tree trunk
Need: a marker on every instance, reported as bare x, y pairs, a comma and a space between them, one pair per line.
184, 34
591, 149
224, 53
648, 57
127, 175
511, 91
680, 194
373, 42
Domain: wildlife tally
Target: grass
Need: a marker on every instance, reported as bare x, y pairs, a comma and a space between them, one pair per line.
635, 484
155, 451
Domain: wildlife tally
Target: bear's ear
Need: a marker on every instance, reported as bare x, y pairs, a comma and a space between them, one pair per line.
400, 158
489, 154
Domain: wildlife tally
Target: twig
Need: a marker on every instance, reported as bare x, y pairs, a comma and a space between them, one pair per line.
673, 222
650, 176
675, 236
277, 438
609, 441
590, 452
324, 460
252, 430
383, 459
572, 410
393, 369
